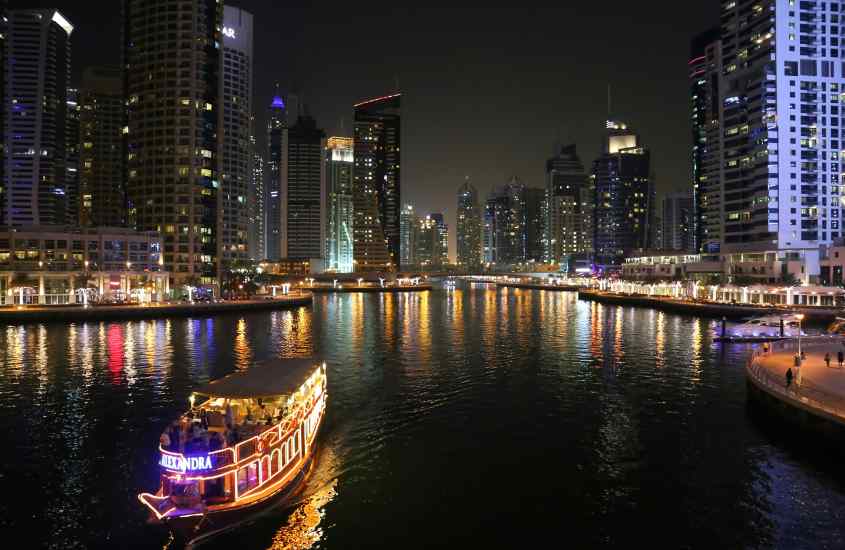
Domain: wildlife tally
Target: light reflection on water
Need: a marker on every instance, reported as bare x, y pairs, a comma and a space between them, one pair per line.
612, 418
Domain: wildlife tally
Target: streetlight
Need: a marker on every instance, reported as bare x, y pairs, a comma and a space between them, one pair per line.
800, 318
360, 281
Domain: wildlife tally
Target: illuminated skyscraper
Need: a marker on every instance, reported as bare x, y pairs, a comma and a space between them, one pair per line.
173, 63
258, 209
504, 225
102, 161
408, 232
72, 205
469, 227
3, 30
35, 115
303, 191
276, 124
340, 217
570, 208
237, 134
624, 196
377, 184
432, 242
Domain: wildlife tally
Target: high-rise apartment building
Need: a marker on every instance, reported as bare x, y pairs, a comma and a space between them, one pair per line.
504, 225
102, 162
173, 63
71, 202
780, 111
704, 74
409, 223
340, 216
571, 204
536, 213
35, 117
3, 25
237, 158
432, 243
276, 151
258, 209
303, 191
469, 227
677, 223
377, 184
624, 196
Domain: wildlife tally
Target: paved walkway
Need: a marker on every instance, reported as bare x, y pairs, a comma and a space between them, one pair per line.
818, 385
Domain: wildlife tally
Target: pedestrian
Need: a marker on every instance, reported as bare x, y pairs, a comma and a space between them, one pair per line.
827, 359
788, 377
841, 357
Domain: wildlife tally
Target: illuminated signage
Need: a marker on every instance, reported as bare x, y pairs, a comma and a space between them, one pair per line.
228, 32
183, 464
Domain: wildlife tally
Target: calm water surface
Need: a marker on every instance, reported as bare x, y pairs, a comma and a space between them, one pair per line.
472, 417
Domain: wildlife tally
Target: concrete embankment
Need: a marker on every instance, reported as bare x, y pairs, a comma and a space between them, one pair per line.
64, 314
706, 309
370, 289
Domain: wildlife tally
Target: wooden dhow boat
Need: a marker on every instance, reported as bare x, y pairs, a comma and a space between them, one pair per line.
246, 444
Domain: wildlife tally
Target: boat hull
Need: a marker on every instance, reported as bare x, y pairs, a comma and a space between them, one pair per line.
196, 529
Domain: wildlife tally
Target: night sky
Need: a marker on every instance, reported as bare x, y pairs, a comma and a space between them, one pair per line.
486, 92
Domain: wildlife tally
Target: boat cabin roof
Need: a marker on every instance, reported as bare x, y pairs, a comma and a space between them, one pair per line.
265, 379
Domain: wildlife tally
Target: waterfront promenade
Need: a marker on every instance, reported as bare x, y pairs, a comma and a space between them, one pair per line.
353, 288
707, 308
817, 389
47, 314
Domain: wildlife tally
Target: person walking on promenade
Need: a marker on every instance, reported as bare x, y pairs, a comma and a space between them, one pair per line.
841, 357
827, 359
788, 377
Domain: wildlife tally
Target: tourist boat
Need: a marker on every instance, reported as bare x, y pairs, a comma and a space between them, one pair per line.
247, 446
760, 329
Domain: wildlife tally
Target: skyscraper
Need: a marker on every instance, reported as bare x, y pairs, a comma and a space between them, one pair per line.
237, 134
677, 222
3, 182
173, 63
71, 203
504, 225
705, 68
535, 224
35, 115
377, 183
571, 206
780, 101
432, 242
276, 125
258, 209
340, 216
469, 227
624, 196
409, 224
303, 191
102, 161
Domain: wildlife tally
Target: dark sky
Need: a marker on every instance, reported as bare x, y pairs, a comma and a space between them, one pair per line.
486, 91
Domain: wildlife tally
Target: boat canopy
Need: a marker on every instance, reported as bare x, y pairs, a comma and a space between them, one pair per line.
266, 379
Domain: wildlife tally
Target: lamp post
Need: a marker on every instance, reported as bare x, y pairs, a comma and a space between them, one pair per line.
800, 318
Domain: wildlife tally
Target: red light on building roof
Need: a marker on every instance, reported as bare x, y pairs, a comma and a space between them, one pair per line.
378, 99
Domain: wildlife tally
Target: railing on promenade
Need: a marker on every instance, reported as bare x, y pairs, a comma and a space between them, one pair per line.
807, 392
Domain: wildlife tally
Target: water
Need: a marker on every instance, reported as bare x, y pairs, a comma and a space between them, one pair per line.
472, 417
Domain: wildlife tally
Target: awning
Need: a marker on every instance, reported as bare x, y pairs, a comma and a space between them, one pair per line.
266, 379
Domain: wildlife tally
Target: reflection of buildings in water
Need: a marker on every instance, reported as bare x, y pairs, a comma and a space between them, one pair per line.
618, 354
596, 330
129, 367
114, 341
86, 358
424, 321
455, 318
696, 362
660, 339
243, 351
303, 529
290, 333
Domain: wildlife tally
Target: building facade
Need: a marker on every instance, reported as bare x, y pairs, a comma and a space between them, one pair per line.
173, 62
704, 74
102, 165
340, 213
624, 196
504, 225
536, 215
570, 206
35, 117
432, 242
409, 224
237, 153
677, 223
378, 184
258, 209
72, 135
276, 125
303, 191
782, 78
469, 227
3, 183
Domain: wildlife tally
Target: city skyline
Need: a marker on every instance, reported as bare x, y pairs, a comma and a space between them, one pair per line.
523, 88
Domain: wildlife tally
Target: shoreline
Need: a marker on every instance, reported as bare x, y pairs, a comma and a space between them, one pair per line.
370, 289
64, 314
538, 286
817, 314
